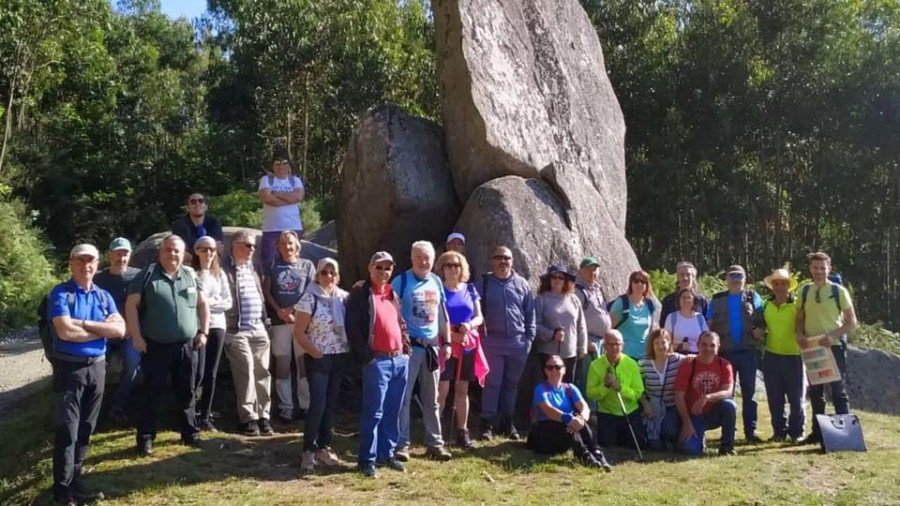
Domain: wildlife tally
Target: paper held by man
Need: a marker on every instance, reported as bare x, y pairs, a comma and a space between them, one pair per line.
819, 361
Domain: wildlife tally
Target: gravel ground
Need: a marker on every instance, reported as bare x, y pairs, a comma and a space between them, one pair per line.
23, 368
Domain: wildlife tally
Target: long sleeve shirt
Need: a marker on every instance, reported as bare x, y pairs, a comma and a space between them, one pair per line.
560, 311
627, 373
508, 307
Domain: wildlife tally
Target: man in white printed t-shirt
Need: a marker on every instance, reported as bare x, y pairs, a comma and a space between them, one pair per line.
280, 193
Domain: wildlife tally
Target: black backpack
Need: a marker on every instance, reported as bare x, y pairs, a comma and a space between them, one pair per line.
49, 338
626, 307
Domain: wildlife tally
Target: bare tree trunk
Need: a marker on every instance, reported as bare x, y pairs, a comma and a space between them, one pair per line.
305, 123
7, 132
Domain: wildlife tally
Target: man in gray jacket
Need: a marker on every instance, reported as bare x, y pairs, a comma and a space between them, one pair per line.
508, 306
587, 289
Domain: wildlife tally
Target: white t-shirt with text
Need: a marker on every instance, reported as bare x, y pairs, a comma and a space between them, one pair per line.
280, 218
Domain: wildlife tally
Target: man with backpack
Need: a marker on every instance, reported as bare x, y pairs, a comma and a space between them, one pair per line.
825, 314
733, 315
422, 299
587, 289
79, 316
168, 319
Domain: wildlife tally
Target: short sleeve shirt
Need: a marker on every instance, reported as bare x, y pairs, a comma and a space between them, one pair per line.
117, 286
635, 328
168, 309
288, 281
461, 303
69, 299
781, 330
564, 398
421, 302
321, 330
280, 218
682, 327
707, 378
821, 314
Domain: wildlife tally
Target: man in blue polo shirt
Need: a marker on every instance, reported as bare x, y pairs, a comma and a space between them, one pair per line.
82, 316
424, 310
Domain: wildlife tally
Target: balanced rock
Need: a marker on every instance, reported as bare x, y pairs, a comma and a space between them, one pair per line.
147, 251
396, 188
873, 380
523, 85
529, 216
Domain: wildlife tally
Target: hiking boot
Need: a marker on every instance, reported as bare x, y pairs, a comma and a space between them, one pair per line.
64, 500
777, 438
327, 457
82, 494
368, 470
438, 453
265, 428
392, 464
193, 441
249, 429
729, 452
487, 431
307, 463
601, 459
512, 433
463, 441
206, 425
753, 439
145, 447
286, 415
814, 438
402, 453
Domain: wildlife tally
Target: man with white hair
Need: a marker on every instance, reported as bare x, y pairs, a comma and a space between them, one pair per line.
424, 310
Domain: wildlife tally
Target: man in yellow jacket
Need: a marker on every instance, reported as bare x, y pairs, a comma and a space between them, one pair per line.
611, 375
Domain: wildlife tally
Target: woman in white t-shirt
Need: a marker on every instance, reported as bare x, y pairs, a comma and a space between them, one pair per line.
686, 325
280, 193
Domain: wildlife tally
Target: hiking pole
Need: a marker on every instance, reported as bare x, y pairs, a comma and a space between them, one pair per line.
454, 432
628, 420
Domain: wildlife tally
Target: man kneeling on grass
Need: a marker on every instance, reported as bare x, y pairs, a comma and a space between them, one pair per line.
704, 396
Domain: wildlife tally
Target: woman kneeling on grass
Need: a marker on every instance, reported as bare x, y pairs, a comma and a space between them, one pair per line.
319, 329
562, 419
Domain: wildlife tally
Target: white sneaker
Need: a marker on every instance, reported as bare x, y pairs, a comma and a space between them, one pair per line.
307, 463
327, 457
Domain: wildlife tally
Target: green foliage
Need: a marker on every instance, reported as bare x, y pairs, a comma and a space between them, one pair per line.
665, 282
25, 274
875, 336
241, 208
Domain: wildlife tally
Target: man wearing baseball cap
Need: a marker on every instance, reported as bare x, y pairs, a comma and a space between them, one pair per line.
587, 289
115, 280
379, 341
732, 314
83, 316
456, 242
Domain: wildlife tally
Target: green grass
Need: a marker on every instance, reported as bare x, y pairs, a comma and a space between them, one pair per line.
235, 470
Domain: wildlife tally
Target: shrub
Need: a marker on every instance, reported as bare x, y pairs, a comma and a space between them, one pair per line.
25, 273
664, 283
242, 208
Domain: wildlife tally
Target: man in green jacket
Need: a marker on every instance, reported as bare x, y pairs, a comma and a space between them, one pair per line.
611, 376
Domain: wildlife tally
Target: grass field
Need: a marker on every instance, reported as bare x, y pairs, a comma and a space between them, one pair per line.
230, 469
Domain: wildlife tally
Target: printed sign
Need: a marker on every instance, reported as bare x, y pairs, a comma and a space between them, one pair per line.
820, 364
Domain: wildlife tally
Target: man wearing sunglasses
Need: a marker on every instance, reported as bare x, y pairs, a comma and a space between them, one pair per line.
734, 315
508, 307
196, 223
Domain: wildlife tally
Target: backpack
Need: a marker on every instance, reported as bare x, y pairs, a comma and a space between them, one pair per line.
431, 275
626, 307
700, 320
835, 294
584, 305
568, 386
271, 179
50, 339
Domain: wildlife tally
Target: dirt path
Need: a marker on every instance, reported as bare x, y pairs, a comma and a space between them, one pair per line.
23, 368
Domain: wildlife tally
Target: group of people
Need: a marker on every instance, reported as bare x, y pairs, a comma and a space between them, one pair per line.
596, 374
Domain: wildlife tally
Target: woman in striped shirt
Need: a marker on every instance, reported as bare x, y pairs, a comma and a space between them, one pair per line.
658, 370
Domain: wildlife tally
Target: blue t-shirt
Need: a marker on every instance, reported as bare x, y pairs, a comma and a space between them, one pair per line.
563, 398
735, 315
635, 328
422, 299
69, 299
461, 304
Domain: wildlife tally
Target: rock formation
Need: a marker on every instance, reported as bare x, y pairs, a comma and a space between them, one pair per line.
395, 189
873, 380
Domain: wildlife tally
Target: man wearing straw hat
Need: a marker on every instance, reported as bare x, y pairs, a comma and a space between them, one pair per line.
782, 366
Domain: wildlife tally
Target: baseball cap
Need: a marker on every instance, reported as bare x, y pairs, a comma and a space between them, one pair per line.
381, 256
84, 249
588, 262
120, 243
735, 269
456, 235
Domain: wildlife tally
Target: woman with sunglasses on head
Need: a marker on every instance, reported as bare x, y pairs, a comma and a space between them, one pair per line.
635, 313
467, 362
559, 317
214, 283
561, 418
320, 330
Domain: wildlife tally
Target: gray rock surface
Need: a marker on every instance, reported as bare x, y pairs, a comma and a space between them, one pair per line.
528, 216
523, 85
148, 250
873, 380
395, 189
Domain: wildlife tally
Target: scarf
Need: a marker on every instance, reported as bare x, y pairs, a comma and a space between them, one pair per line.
338, 310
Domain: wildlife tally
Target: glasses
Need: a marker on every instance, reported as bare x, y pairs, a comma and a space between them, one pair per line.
554, 367
639, 282
736, 276
281, 162
248, 245
327, 273
197, 201
205, 250
388, 268
452, 266
502, 258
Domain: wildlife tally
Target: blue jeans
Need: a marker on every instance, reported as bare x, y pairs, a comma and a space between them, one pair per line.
324, 377
723, 414
784, 378
131, 365
384, 384
839, 395
612, 430
668, 433
502, 384
744, 364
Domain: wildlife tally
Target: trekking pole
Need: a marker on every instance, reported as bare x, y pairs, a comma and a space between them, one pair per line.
454, 432
630, 428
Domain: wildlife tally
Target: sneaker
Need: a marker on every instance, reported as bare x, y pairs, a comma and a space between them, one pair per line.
463, 441
402, 453
814, 438
327, 457
753, 439
118, 416
286, 415
307, 463
206, 425
487, 431
64, 500
513, 434
392, 464
799, 440
368, 470
777, 439
193, 441
601, 459
82, 494
265, 428
250, 429
438, 453
145, 447
727, 452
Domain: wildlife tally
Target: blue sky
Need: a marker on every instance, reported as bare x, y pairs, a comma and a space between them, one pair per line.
178, 8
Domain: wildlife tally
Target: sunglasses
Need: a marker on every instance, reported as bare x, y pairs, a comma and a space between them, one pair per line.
197, 201
452, 266
501, 258
736, 276
327, 273
554, 367
388, 268
639, 281
248, 245
205, 250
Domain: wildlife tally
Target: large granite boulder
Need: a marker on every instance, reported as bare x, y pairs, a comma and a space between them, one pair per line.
873, 380
523, 85
531, 217
396, 188
148, 250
